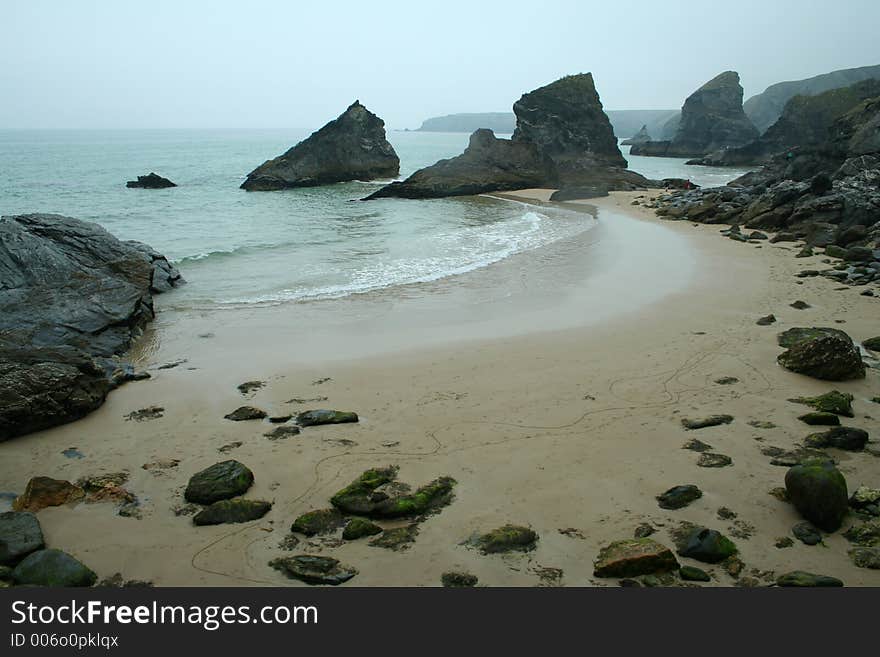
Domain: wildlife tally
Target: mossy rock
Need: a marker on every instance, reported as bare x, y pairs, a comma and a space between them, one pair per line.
817, 489
801, 578
454, 580
321, 521
356, 497
360, 527
633, 557
708, 546
508, 538
361, 497
694, 574
819, 418
846, 438
866, 557
313, 569
839, 403
829, 358
865, 535
52, 568
793, 336
221, 481
324, 416
398, 538
232, 511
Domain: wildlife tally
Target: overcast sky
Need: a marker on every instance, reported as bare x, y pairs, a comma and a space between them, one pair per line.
274, 64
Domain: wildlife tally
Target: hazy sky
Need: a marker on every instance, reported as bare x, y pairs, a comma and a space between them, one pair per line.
271, 64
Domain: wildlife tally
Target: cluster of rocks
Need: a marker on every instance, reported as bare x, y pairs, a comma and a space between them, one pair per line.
563, 138
219, 489
72, 300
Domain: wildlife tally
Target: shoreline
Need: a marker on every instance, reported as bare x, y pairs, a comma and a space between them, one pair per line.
570, 419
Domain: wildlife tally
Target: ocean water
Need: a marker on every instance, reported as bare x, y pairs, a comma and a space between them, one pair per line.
236, 247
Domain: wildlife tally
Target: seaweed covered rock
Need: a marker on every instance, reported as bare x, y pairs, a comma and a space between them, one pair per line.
351, 147
323, 416
456, 580
839, 403
368, 496
708, 546
52, 568
42, 492
508, 538
818, 491
220, 481
320, 521
313, 569
232, 511
830, 357
20, 534
819, 418
397, 538
358, 528
633, 557
801, 578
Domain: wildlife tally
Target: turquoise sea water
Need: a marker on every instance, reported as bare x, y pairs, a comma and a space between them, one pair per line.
237, 247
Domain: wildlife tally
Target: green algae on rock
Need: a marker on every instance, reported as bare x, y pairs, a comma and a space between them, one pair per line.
820, 418
801, 578
320, 521
817, 489
361, 496
839, 403
508, 538
232, 511
358, 528
708, 546
398, 538
220, 481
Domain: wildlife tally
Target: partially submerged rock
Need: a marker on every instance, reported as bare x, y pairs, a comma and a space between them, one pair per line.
708, 546
320, 521
679, 497
151, 181
324, 416
52, 568
711, 421
508, 538
220, 481
634, 557
817, 490
20, 534
313, 569
846, 438
232, 511
42, 492
801, 578
351, 147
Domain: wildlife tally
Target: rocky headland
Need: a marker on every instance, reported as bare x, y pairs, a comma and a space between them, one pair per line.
351, 147
150, 181
72, 299
712, 118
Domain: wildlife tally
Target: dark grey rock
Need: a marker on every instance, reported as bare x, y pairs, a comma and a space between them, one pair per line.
150, 181
806, 533
52, 568
221, 481
314, 569
20, 534
679, 497
817, 490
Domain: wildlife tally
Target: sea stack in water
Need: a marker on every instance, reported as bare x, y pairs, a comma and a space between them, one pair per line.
150, 181
712, 118
641, 137
562, 139
351, 147
73, 297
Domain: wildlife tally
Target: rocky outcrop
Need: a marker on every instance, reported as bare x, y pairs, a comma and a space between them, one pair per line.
712, 118
765, 108
640, 137
72, 299
351, 147
150, 181
498, 122
562, 139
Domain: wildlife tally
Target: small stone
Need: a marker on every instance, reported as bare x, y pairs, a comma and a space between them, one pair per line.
509, 538
801, 578
232, 511
711, 460
727, 380
314, 569
321, 521
243, 413
694, 574
866, 557
872, 344
643, 531
697, 445
708, 546
454, 580
161, 464
818, 418
358, 528
20, 534
846, 438
806, 533
283, 432
726, 514
280, 419
866, 535
319, 417
144, 414
711, 421
784, 542
864, 496
679, 497
800, 305
766, 320
634, 557
250, 386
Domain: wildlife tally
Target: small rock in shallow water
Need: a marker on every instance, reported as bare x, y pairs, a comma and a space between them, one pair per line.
243, 413
806, 533
679, 497
509, 538
219, 482
712, 460
314, 569
711, 421
800, 305
458, 580
801, 578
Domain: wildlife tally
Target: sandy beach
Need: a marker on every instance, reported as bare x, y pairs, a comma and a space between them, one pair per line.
551, 386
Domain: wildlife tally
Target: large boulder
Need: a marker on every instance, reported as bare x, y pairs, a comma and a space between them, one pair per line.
827, 356
220, 481
52, 568
20, 534
72, 298
817, 490
351, 147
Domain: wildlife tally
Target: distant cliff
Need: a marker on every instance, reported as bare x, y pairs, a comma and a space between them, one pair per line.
765, 108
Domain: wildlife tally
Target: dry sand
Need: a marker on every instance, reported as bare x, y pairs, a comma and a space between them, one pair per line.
550, 386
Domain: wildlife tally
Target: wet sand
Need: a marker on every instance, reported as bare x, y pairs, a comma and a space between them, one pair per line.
551, 386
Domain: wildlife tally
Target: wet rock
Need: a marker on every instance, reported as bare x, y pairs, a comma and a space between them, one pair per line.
321, 521
819, 418
42, 492
697, 445
508, 538
232, 511
872, 343
711, 421
150, 181
248, 387
161, 464
866, 557
351, 147
20, 534
366, 496
866, 534
313, 569
806, 533
52, 568
456, 580
836, 402
817, 490
397, 539
282, 432
846, 438
243, 413
319, 417
220, 481
280, 419
708, 546
634, 557
712, 460
767, 320
828, 357
694, 574
793, 336
358, 528
801, 578
679, 497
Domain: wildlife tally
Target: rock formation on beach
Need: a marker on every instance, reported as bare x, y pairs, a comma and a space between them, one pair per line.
72, 299
150, 181
765, 108
562, 139
712, 118
351, 147
640, 137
